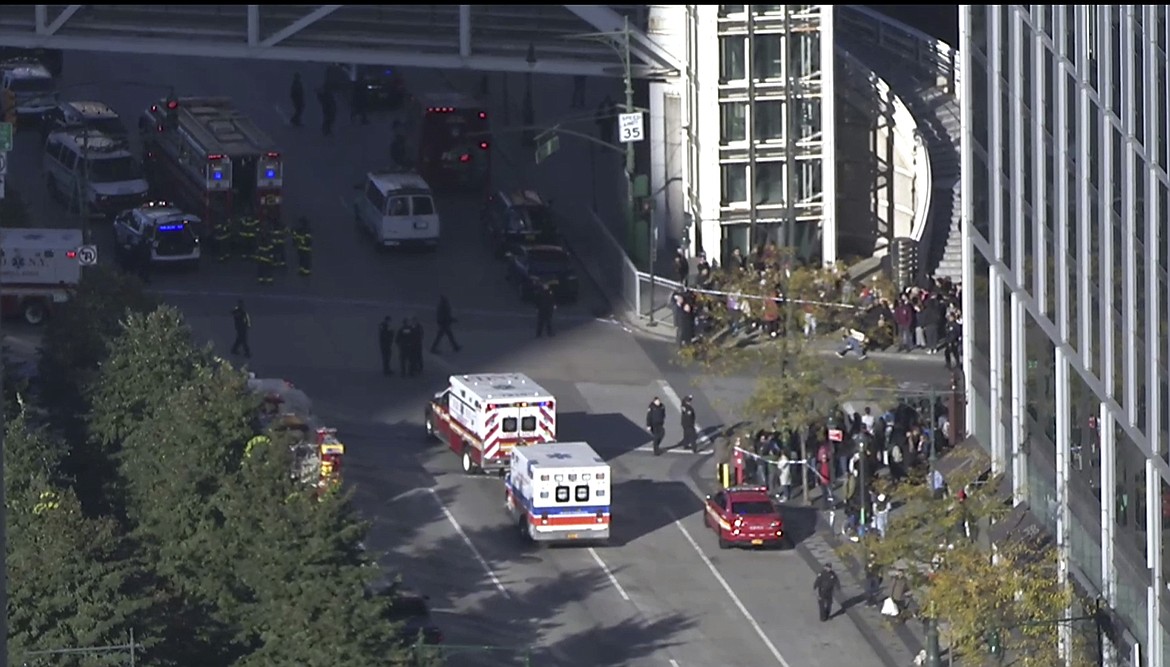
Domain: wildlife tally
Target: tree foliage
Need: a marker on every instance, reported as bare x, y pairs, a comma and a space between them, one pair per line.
214, 557
941, 548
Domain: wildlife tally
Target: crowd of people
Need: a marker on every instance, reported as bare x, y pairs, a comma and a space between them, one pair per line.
768, 293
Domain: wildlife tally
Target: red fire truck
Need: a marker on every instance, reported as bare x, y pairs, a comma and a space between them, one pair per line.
211, 159
454, 141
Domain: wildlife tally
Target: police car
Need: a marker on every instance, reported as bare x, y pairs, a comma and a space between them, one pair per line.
511, 219
170, 232
384, 87
32, 85
745, 515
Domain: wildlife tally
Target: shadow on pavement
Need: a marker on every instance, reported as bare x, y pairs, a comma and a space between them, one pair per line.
800, 522
482, 629
611, 435
640, 504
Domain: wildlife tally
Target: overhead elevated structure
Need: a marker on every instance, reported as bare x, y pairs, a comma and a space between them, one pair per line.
505, 38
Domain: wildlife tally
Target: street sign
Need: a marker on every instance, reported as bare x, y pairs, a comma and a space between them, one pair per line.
87, 255
5, 137
547, 148
630, 127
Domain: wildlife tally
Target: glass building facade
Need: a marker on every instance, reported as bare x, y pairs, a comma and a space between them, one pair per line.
1065, 201
774, 101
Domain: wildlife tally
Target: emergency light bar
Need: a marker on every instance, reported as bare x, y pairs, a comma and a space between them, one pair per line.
171, 228
70, 254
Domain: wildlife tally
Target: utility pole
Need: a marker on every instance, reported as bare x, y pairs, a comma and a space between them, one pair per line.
628, 75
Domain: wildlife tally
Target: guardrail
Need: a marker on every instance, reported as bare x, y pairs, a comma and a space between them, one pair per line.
905, 129
936, 56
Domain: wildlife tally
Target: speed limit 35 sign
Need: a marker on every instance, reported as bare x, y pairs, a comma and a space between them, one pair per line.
630, 127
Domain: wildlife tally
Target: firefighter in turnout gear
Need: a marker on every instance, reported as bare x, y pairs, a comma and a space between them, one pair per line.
249, 231
263, 257
279, 244
303, 238
224, 238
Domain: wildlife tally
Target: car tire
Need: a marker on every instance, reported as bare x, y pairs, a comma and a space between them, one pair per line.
469, 467
724, 544
522, 529
34, 312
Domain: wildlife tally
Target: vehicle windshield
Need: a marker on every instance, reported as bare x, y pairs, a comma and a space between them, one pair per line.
33, 85
752, 508
114, 170
529, 218
548, 261
111, 127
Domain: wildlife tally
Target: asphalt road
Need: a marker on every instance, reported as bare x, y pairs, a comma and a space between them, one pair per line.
662, 593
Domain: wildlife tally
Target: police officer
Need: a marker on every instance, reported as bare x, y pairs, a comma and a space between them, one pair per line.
656, 423
303, 238
279, 245
263, 257
690, 436
824, 585
386, 344
243, 324
545, 305
224, 238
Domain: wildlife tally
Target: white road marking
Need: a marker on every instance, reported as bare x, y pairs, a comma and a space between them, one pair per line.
283, 116
673, 662
407, 494
676, 450
470, 545
731, 594
608, 573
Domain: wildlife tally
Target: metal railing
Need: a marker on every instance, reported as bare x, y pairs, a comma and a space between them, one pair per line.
935, 56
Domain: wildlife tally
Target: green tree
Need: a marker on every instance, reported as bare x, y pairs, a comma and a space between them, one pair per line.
75, 581
75, 343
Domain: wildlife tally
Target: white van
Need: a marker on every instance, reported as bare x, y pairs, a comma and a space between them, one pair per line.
88, 165
397, 209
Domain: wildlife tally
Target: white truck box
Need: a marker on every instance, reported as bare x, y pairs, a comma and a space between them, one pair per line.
42, 257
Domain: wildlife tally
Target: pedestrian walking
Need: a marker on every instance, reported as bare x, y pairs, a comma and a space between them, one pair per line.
953, 347
682, 266
386, 344
359, 104
328, 110
303, 238
402, 339
825, 585
545, 306
242, 324
297, 95
656, 423
687, 416
443, 320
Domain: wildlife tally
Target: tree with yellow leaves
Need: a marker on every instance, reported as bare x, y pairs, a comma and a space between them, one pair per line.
994, 604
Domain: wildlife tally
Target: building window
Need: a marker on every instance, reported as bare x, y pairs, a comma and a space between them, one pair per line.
734, 182
769, 120
769, 183
808, 179
732, 122
731, 59
809, 120
806, 54
728, 10
767, 9
767, 56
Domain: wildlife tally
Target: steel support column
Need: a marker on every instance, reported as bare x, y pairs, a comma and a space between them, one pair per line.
967, 229
300, 24
997, 356
828, 135
253, 25
42, 24
1017, 318
464, 31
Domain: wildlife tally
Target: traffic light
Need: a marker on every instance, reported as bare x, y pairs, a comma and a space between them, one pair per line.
9, 104
172, 113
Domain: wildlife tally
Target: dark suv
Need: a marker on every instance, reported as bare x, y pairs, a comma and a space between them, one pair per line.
385, 89
514, 219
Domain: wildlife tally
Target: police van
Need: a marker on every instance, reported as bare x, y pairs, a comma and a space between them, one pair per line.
559, 491
397, 209
90, 167
171, 233
482, 417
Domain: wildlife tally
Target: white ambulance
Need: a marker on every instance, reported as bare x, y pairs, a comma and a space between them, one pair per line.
481, 417
559, 491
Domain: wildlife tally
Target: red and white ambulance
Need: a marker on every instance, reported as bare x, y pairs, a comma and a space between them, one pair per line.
482, 417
